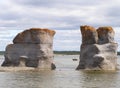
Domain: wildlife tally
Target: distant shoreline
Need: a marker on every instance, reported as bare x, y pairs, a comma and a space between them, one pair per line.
62, 52
67, 52
57, 52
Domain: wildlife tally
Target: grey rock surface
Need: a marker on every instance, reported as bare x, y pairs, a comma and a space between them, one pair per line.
100, 54
31, 49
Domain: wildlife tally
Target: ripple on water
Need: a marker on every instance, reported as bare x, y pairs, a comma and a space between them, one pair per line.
65, 76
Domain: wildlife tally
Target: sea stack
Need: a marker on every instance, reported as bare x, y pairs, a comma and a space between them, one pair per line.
31, 48
98, 50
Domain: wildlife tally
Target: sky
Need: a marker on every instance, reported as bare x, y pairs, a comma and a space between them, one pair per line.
63, 16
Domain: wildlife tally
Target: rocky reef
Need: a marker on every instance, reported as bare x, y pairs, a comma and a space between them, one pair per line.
98, 50
31, 48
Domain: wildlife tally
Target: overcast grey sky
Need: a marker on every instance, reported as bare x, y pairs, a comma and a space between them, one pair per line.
64, 16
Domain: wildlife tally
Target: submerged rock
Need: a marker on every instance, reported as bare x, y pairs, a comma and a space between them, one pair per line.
98, 50
31, 48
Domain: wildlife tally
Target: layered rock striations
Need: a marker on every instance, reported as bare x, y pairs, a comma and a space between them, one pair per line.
31, 48
98, 49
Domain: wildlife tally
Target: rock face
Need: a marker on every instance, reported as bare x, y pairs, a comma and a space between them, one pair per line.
31, 48
98, 50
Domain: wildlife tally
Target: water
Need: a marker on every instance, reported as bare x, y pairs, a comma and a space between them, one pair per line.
65, 76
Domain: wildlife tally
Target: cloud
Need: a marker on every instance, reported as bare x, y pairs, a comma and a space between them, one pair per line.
58, 3
67, 40
57, 13
63, 39
6, 37
63, 16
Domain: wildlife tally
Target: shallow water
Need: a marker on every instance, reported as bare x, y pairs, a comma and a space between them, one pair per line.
65, 76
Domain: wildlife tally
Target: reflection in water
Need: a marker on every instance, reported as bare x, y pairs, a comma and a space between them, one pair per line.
100, 80
63, 77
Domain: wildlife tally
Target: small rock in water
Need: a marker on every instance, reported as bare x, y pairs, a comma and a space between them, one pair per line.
74, 59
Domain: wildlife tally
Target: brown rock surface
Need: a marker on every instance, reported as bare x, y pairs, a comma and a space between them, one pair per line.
35, 36
89, 35
105, 34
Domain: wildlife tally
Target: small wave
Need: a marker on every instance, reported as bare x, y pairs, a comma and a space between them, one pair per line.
14, 69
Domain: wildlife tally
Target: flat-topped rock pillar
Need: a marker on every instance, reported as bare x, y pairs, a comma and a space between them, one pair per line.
98, 49
31, 48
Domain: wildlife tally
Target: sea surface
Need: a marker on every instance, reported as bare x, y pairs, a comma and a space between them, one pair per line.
65, 76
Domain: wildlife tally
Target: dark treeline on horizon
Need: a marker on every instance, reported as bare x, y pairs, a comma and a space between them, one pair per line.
67, 52
57, 52
61, 52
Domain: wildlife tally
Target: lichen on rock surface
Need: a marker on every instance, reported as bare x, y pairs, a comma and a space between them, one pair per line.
35, 36
105, 35
98, 49
89, 35
31, 48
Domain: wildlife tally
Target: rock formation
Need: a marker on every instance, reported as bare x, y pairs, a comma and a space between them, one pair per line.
31, 48
98, 49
